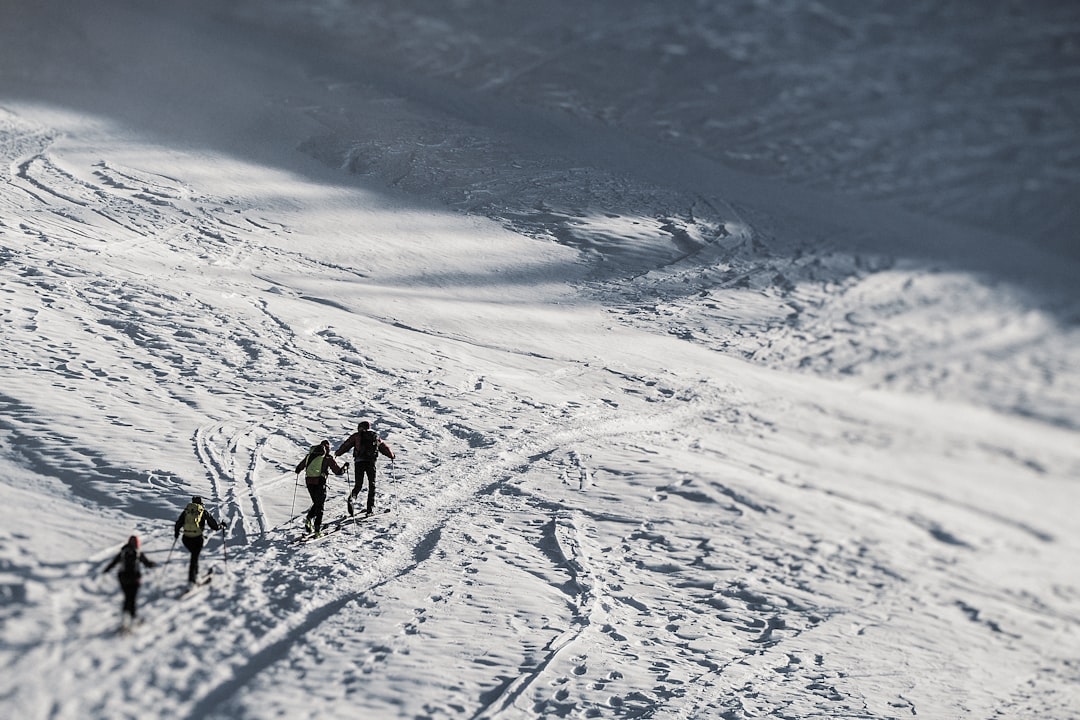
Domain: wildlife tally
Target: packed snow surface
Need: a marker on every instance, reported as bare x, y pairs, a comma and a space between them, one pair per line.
729, 352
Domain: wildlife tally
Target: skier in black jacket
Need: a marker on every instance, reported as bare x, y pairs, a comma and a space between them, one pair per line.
316, 465
130, 558
366, 446
193, 521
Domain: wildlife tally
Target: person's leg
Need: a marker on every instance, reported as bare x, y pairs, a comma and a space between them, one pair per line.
370, 472
313, 493
133, 594
130, 590
319, 496
194, 546
358, 484
195, 558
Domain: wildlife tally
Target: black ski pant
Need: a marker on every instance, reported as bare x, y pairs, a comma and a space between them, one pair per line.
130, 585
317, 491
194, 543
365, 468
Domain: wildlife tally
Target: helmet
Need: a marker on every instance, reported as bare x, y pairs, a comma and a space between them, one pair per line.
133, 541
196, 499
325, 445
364, 425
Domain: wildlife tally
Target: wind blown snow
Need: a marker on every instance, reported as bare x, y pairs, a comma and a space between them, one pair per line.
729, 353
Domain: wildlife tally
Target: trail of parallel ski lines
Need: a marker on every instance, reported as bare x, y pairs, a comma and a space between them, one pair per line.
204, 451
249, 474
415, 542
216, 461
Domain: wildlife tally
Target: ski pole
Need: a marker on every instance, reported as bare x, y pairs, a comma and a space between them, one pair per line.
224, 552
175, 538
292, 508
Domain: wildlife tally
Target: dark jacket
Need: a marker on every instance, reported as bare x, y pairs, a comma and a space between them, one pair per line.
201, 518
130, 571
320, 473
361, 452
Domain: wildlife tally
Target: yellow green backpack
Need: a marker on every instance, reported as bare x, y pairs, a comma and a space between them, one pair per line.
193, 516
316, 458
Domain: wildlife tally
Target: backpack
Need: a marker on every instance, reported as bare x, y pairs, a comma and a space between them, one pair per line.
129, 561
314, 467
367, 445
193, 515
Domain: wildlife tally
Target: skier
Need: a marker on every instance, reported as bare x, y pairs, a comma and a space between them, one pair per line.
193, 521
366, 446
129, 558
316, 465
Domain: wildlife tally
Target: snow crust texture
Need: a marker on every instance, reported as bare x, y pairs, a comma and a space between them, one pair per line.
729, 354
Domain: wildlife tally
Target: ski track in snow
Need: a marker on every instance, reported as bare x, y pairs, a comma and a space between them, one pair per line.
572, 533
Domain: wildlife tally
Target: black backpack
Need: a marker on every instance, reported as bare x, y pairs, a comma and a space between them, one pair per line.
367, 445
129, 561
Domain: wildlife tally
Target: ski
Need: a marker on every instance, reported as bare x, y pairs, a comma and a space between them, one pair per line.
327, 529
128, 625
190, 590
338, 523
333, 526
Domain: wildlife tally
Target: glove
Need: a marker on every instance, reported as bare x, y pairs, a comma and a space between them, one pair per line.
346, 466
175, 535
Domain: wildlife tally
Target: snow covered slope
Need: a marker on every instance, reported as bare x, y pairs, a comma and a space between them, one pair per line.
688, 423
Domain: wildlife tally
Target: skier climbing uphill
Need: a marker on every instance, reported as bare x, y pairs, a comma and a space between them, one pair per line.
316, 466
130, 558
192, 522
366, 446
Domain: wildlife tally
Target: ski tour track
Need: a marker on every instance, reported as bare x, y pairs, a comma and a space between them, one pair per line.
274, 592
404, 540
263, 557
251, 619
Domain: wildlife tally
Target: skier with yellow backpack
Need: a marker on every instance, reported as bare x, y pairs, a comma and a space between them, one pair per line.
316, 466
192, 521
